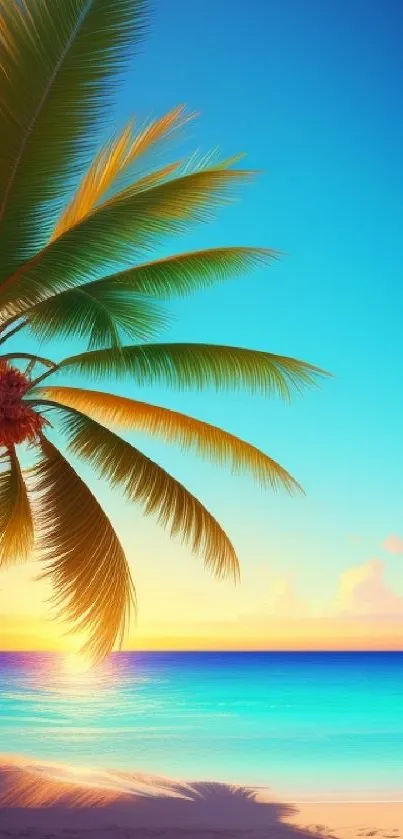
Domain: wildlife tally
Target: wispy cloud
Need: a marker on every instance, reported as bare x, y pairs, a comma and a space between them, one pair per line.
363, 591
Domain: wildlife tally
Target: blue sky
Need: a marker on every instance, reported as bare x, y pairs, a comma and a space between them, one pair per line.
312, 92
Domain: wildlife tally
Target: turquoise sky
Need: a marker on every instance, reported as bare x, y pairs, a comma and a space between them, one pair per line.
312, 92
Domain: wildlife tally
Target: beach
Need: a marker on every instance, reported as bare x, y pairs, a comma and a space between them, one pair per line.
47, 800
202, 746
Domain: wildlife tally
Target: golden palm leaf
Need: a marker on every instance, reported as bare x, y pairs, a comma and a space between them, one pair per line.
113, 159
101, 174
16, 527
85, 560
155, 131
145, 482
207, 440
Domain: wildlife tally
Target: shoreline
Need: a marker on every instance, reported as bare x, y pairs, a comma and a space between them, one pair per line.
43, 799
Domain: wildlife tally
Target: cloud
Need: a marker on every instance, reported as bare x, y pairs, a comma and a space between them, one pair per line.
280, 602
393, 544
363, 591
283, 600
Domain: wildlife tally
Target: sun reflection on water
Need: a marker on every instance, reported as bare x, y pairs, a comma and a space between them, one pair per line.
71, 680
75, 664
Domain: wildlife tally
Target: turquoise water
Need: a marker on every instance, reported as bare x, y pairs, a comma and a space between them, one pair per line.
304, 724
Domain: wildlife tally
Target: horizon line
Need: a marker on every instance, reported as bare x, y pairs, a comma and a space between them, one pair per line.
214, 650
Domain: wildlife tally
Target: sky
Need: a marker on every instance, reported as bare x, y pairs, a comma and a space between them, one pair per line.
312, 93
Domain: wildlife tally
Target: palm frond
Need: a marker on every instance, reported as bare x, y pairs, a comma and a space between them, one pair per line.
185, 273
144, 152
95, 183
121, 228
98, 313
146, 482
96, 310
111, 162
199, 366
156, 177
16, 527
155, 131
208, 160
84, 559
30, 357
56, 55
189, 433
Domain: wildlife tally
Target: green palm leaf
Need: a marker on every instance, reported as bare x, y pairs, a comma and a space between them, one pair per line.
85, 561
207, 440
118, 230
198, 366
146, 482
185, 273
99, 309
56, 55
98, 313
16, 528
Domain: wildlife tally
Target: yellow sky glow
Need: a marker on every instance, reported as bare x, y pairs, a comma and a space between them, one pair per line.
182, 607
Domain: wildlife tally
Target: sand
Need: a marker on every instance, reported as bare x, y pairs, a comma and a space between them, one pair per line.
50, 801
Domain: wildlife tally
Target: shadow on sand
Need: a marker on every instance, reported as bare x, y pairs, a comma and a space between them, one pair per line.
210, 811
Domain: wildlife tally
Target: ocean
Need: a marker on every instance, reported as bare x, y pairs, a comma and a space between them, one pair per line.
309, 725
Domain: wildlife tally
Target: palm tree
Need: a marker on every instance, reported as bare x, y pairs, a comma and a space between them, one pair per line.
77, 220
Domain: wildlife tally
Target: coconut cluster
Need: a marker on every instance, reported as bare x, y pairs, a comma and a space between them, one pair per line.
19, 423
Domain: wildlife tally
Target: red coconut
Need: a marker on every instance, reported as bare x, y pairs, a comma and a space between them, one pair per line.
18, 421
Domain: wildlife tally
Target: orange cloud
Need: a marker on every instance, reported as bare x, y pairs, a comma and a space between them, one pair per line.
393, 544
